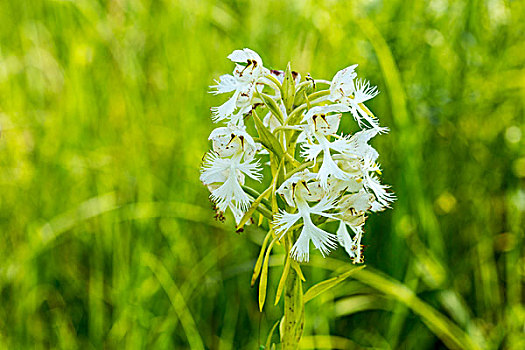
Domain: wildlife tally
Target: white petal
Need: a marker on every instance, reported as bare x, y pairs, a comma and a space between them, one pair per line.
356, 202
231, 140
301, 249
246, 92
271, 122
374, 123
214, 169
359, 146
224, 142
226, 109
363, 91
287, 188
229, 191
380, 191
326, 203
283, 221
343, 237
304, 175
322, 240
317, 110
343, 83
310, 191
329, 168
252, 169
226, 83
376, 207
310, 151
330, 125
237, 214
342, 145
361, 138
242, 56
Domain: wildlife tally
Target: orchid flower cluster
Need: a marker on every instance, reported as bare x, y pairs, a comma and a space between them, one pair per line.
318, 175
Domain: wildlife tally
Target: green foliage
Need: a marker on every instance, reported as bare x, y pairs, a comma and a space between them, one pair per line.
107, 236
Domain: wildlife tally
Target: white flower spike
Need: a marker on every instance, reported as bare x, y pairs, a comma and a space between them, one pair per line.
225, 168
333, 178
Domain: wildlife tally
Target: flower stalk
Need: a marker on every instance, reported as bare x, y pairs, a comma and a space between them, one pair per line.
293, 319
317, 175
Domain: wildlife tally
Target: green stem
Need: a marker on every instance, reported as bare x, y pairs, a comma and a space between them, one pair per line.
293, 320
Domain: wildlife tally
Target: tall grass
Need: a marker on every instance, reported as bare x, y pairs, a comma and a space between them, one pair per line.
108, 239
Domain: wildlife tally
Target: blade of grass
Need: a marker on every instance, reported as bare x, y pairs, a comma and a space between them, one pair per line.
323, 286
177, 300
440, 325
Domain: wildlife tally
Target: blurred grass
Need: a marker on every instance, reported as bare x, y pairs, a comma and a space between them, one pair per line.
107, 239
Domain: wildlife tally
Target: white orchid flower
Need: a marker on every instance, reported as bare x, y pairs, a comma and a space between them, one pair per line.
227, 165
359, 144
362, 176
383, 197
298, 191
248, 69
320, 125
367, 156
229, 171
351, 93
353, 204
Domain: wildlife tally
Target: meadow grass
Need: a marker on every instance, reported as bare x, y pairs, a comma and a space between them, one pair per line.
108, 238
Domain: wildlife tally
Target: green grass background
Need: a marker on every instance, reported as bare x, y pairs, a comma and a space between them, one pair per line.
107, 239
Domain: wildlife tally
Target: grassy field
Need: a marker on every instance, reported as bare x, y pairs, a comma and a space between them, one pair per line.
107, 237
